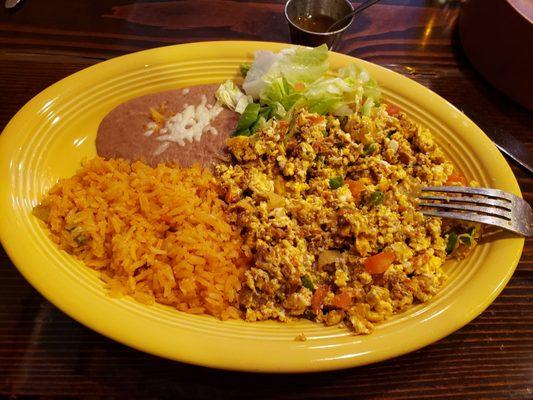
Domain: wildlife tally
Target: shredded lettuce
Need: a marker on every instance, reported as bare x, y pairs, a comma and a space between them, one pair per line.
280, 95
299, 65
263, 61
352, 90
298, 77
231, 96
249, 116
295, 65
244, 68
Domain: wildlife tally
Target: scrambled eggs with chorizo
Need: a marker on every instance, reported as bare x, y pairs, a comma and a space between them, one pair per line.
327, 210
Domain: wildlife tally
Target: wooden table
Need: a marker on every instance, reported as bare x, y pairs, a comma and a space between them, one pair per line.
45, 353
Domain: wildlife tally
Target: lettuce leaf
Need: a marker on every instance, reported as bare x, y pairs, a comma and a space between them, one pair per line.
297, 77
263, 61
300, 65
295, 65
231, 96
280, 95
352, 90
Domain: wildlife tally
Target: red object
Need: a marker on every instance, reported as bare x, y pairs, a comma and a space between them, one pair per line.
318, 298
316, 119
379, 263
342, 300
456, 178
392, 109
299, 86
356, 187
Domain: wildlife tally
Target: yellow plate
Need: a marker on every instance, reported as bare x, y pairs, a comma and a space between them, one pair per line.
51, 134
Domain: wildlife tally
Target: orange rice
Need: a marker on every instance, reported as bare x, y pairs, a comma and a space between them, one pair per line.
157, 234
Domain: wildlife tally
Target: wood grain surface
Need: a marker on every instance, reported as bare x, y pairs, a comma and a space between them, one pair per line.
46, 354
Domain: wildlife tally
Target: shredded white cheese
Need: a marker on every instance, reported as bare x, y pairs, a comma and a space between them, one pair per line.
150, 129
161, 149
187, 125
185, 91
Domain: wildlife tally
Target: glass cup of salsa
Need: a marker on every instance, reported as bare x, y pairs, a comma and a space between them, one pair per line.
310, 19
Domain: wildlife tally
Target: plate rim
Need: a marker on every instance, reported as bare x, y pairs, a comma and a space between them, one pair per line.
214, 362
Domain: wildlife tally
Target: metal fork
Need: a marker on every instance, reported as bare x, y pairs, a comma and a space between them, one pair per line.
487, 206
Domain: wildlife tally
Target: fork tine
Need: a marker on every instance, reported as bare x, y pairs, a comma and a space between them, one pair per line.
493, 211
494, 193
504, 210
476, 200
484, 219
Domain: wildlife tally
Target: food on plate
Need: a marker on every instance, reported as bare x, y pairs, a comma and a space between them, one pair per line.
159, 234
293, 195
328, 214
185, 126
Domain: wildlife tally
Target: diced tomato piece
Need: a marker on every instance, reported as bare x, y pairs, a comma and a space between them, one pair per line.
379, 263
318, 298
356, 187
299, 86
283, 127
392, 109
315, 119
342, 300
456, 178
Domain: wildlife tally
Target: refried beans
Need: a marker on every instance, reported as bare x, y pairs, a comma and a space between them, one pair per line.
122, 132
